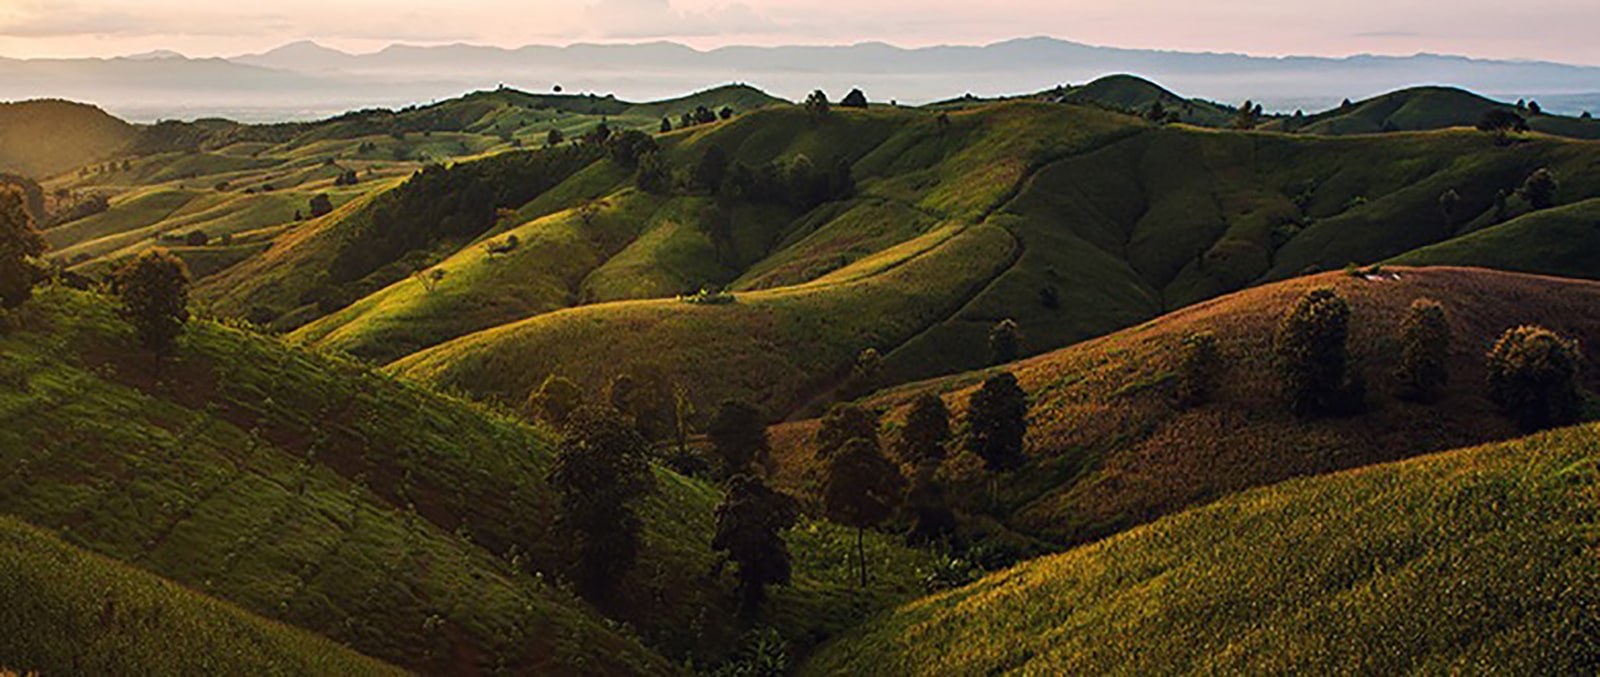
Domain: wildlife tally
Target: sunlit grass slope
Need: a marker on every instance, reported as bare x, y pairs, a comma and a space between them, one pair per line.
1482, 560
67, 611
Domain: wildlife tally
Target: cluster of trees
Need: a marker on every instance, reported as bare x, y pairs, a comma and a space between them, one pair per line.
1249, 116
701, 115
797, 182
1502, 123
1539, 190
21, 245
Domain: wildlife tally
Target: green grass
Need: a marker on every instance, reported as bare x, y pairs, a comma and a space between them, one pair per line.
1471, 561
1564, 241
1425, 109
67, 611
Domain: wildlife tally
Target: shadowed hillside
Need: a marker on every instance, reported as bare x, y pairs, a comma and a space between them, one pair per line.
40, 139
1473, 560
1428, 108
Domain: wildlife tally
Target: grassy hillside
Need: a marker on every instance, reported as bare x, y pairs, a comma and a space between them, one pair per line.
43, 138
316, 492
1564, 241
1137, 95
67, 611
1470, 561
1110, 449
1427, 108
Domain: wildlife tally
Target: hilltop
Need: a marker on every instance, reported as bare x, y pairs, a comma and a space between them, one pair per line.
1110, 449
1481, 559
43, 138
1429, 108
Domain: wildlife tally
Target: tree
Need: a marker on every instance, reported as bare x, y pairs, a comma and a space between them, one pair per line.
601, 470
646, 397
555, 401
1005, 342
196, 238
554, 137
738, 434
726, 113
864, 373
628, 147
1199, 369
997, 422
1424, 351
1502, 124
817, 104
927, 430
855, 99
861, 489
1449, 202
1533, 376
154, 288
1539, 189
20, 244
708, 173
750, 525
666, 125
844, 422
321, 205
1312, 355
1248, 116
653, 176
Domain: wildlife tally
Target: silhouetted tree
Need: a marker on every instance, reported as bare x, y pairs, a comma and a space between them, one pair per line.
709, 171
861, 489
601, 471
1533, 376
1449, 201
626, 148
1539, 189
750, 525
817, 104
321, 205
666, 125
1199, 369
154, 288
1248, 116
922, 440
997, 422
653, 176
864, 374
1424, 351
738, 434
20, 244
726, 113
1502, 124
555, 401
844, 422
855, 99
555, 137
646, 397
1005, 342
196, 238
1313, 357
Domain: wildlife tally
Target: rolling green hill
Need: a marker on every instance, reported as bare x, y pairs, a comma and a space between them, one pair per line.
1425, 109
41, 139
1470, 561
1137, 95
67, 611
1563, 241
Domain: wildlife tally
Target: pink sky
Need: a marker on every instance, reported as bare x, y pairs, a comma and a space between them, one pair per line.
1556, 30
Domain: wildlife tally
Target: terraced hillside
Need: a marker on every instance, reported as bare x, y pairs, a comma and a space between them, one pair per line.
316, 492
1468, 561
1109, 447
68, 611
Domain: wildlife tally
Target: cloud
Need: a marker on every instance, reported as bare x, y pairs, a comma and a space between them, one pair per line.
638, 19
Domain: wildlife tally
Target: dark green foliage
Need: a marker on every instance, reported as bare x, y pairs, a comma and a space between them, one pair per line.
321, 206
653, 175
726, 113
750, 525
855, 99
1005, 342
1539, 189
1248, 116
861, 488
647, 398
602, 470
347, 177
922, 440
555, 401
1313, 357
1502, 124
797, 183
932, 519
1199, 369
555, 138
1449, 202
997, 423
738, 435
20, 243
154, 288
1533, 376
708, 173
817, 104
666, 125
196, 238
1424, 352
627, 148
845, 422
864, 374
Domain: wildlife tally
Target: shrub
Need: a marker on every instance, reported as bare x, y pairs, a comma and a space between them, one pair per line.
1199, 369
1533, 376
1539, 189
1313, 356
1424, 351
197, 238
154, 288
997, 421
1005, 342
321, 206
20, 244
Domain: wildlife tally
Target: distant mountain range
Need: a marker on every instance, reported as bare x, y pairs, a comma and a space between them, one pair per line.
304, 80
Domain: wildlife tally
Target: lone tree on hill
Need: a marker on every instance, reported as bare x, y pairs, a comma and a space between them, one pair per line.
20, 244
1313, 356
601, 471
926, 432
997, 421
750, 525
738, 435
1424, 351
1449, 202
555, 401
1199, 369
554, 138
861, 489
817, 104
845, 422
666, 125
855, 99
1005, 342
1502, 124
154, 288
1533, 376
1539, 189
321, 206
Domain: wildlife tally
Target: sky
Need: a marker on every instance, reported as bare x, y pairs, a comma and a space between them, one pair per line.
1553, 30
